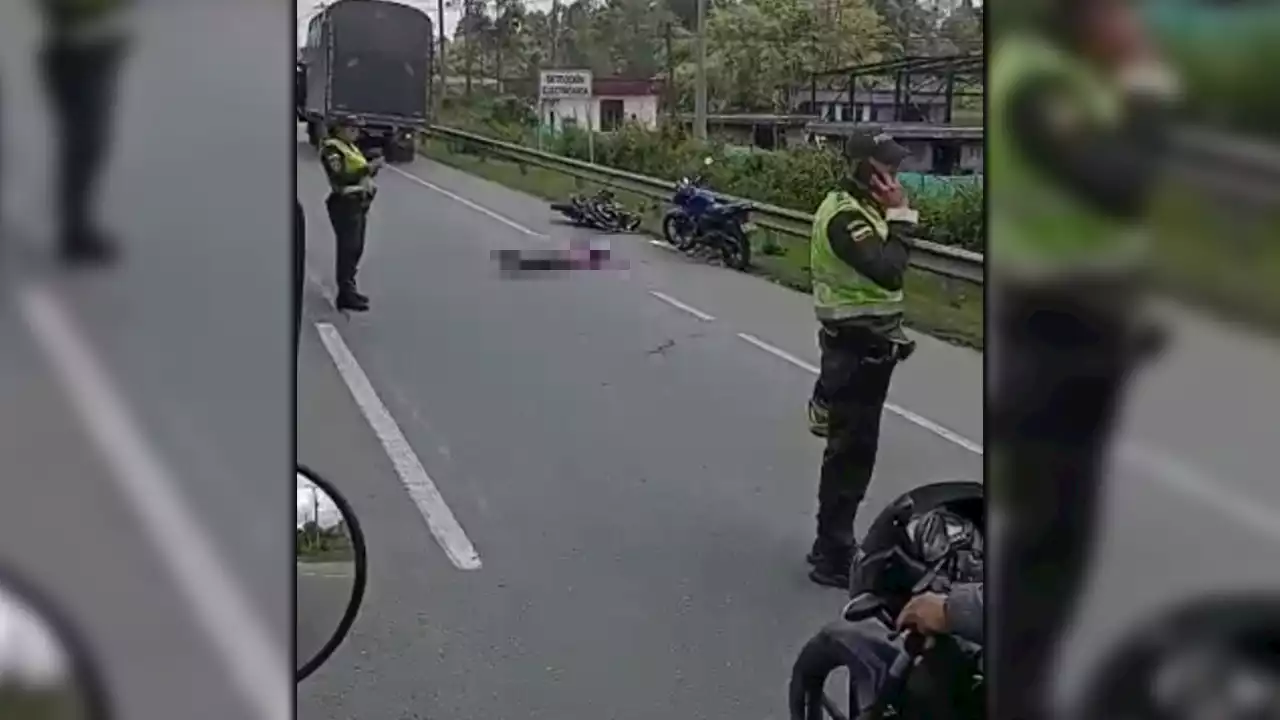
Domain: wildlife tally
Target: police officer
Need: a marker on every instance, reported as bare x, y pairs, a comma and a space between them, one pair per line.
85, 44
1074, 131
352, 190
858, 256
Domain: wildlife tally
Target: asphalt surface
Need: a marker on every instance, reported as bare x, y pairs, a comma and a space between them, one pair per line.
637, 480
323, 594
145, 412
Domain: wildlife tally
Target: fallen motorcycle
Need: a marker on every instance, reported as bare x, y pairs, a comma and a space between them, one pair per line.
598, 212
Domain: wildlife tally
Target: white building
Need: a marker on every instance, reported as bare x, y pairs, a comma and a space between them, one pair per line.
613, 102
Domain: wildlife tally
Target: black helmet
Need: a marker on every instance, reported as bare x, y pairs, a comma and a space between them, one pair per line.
940, 523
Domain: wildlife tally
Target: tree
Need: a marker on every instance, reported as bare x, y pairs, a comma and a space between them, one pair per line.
961, 30
505, 32
760, 48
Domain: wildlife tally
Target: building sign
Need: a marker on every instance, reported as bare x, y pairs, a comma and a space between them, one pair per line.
557, 84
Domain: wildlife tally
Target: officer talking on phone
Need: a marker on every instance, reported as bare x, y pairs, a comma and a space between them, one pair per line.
351, 183
1080, 105
859, 251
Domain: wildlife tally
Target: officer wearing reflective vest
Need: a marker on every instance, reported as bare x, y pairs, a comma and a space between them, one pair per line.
858, 257
85, 43
1077, 112
352, 190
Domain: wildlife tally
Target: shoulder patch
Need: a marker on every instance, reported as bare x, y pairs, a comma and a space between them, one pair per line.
859, 230
335, 161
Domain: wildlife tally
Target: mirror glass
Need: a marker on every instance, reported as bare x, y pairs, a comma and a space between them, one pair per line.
326, 568
37, 678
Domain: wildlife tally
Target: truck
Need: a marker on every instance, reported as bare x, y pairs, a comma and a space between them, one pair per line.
369, 61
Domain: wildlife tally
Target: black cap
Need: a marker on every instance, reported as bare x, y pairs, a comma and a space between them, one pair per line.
878, 146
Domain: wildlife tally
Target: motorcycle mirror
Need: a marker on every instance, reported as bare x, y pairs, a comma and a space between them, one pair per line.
331, 570
44, 667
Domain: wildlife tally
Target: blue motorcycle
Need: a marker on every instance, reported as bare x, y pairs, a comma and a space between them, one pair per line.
700, 220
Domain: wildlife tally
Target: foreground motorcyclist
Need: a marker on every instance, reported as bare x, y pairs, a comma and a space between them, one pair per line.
929, 538
958, 612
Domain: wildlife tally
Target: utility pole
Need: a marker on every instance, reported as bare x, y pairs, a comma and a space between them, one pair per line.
555, 33
441, 60
672, 100
700, 89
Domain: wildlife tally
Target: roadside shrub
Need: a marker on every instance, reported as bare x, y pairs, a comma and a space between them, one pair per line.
797, 179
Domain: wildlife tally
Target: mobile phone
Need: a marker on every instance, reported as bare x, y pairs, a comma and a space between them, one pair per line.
864, 173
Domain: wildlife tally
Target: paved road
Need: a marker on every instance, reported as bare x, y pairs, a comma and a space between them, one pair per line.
180, 356
323, 593
625, 451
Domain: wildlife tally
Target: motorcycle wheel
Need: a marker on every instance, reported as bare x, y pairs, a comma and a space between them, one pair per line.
735, 250
677, 233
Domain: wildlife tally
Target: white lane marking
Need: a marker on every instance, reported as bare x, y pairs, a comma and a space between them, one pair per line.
682, 306
444, 526
905, 414
258, 670
474, 206
1180, 476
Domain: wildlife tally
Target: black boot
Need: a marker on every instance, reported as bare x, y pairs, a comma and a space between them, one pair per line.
830, 567
88, 248
352, 301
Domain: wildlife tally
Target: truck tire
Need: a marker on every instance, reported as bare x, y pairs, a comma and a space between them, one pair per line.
400, 152
313, 134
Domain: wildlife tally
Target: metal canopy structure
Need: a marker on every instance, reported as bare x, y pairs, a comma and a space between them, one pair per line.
949, 76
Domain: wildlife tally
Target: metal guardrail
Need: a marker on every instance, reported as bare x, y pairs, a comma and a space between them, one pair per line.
928, 256
1242, 173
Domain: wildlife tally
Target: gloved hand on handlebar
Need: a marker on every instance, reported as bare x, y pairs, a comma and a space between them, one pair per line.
957, 613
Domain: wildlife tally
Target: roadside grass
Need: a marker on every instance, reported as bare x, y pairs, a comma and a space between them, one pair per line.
951, 310
1224, 261
326, 555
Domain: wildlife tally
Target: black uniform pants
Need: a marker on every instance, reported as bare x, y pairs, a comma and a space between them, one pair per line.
1059, 374
81, 84
853, 383
349, 217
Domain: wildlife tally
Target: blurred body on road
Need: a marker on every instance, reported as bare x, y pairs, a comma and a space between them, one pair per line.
1075, 128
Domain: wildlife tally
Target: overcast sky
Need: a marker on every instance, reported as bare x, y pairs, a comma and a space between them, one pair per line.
27, 651
313, 501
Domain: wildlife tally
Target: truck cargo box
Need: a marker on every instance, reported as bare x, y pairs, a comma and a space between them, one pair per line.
369, 58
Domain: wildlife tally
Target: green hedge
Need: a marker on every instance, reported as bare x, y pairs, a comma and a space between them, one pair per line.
797, 179
1225, 55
